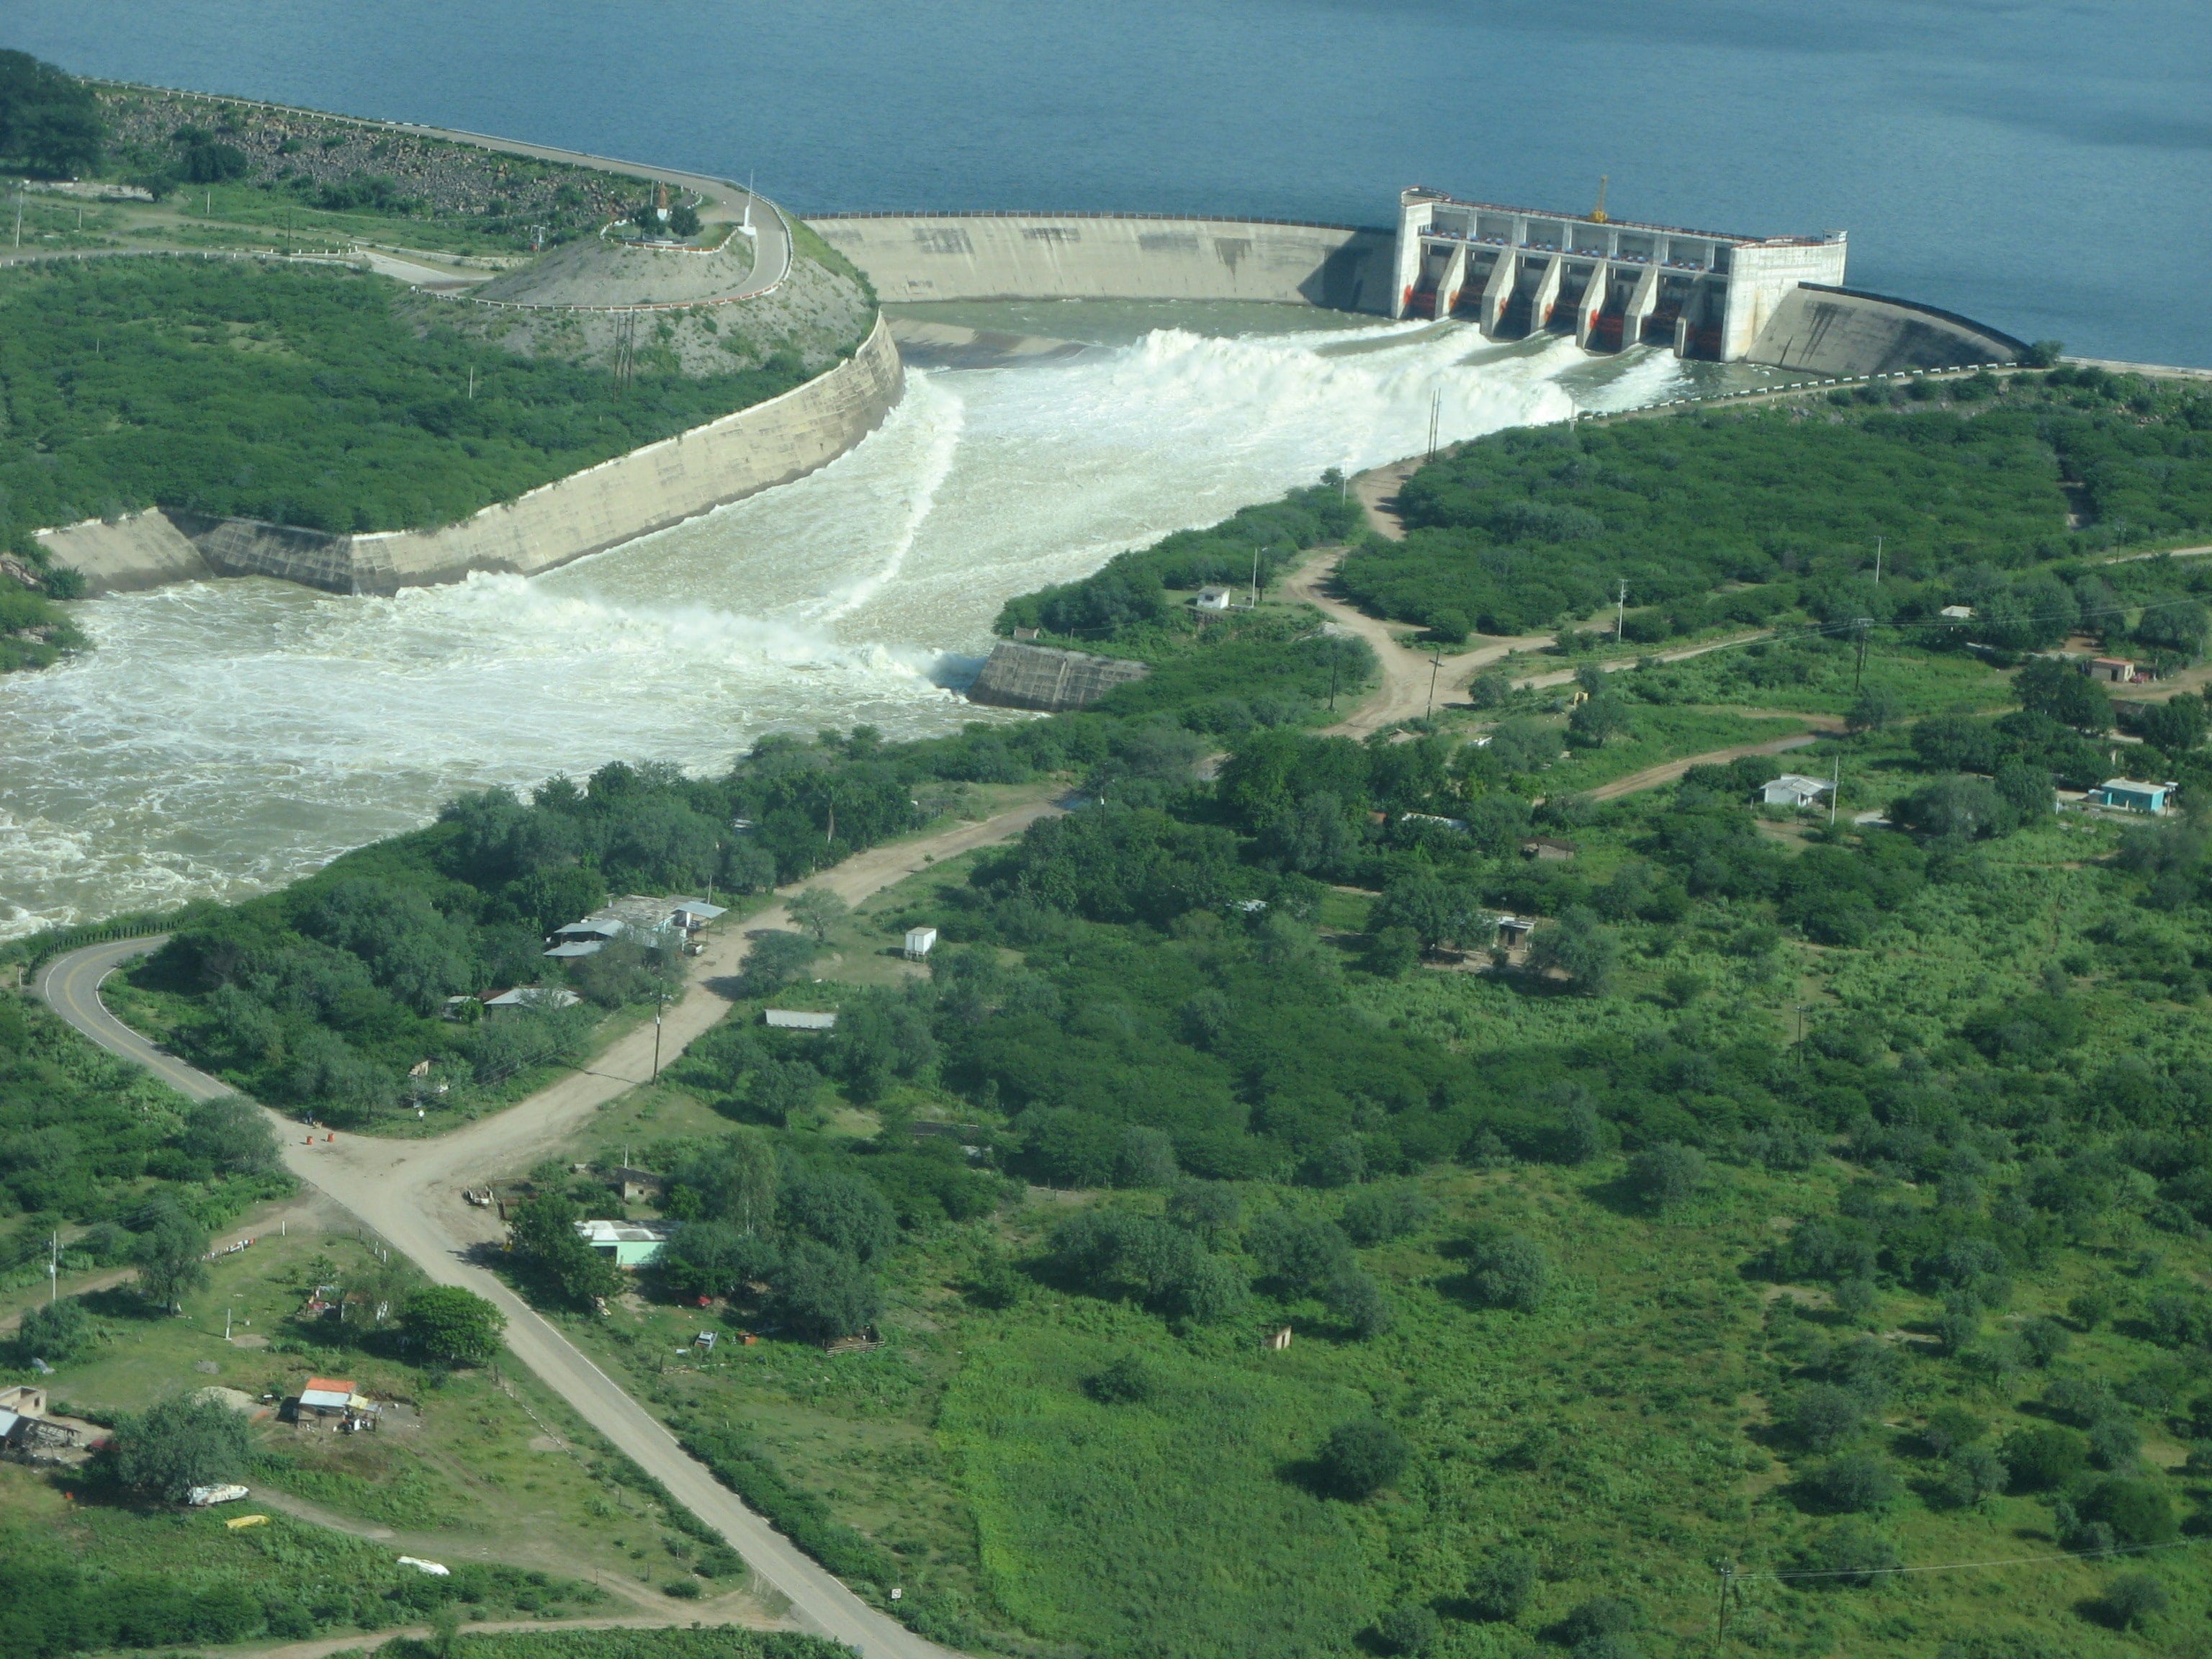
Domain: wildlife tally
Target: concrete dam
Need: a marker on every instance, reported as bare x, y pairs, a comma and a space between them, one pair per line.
1515, 272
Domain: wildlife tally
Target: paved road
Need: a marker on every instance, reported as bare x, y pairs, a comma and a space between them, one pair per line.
407, 1192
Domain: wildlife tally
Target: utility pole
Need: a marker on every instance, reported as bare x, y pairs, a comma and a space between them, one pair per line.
1436, 666
1835, 788
1621, 614
1255, 578
659, 1002
1436, 413
472, 383
1728, 1590
1877, 561
53, 1267
19, 216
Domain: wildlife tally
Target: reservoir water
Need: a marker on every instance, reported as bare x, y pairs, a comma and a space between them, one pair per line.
2039, 164
226, 736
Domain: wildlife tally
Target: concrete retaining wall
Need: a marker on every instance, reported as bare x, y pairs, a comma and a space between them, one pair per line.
648, 489
959, 256
1043, 678
143, 550
1843, 331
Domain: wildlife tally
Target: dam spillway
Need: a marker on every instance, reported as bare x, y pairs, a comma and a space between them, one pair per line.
1513, 272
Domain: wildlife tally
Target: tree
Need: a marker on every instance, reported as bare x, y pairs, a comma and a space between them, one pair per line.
451, 1325
1852, 1551
1822, 1416
1578, 947
54, 1331
2134, 1597
1501, 1586
2176, 726
48, 119
1391, 952
543, 1233
713, 1258
848, 1212
1972, 1475
817, 910
1666, 1175
1355, 1298
823, 1293
1506, 1270
2043, 1456
2045, 353
1871, 710
180, 1442
775, 959
172, 1256
1961, 808
1433, 911
1207, 1208
1360, 1458
1856, 1481
1146, 1158
2053, 686
1411, 1627
684, 219
1375, 1214
1596, 720
737, 1179
1126, 1381
232, 1134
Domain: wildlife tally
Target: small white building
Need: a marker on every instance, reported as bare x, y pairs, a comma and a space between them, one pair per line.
692, 913
795, 1020
1794, 790
1957, 613
1212, 598
626, 1244
920, 942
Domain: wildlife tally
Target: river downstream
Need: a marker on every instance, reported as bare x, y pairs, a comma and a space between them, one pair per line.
225, 737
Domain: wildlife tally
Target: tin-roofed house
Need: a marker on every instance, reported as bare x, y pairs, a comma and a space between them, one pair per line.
626, 1244
2127, 795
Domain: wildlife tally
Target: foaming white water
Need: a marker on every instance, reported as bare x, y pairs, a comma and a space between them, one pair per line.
226, 736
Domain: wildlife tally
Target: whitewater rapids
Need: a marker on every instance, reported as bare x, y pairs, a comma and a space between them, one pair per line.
225, 737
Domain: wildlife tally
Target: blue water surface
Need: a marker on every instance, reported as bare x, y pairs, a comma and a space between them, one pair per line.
2040, 164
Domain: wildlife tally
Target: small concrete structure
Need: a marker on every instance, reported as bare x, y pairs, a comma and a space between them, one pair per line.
1212, 598
634, 1185
797, 1019
1548, 849
1278, 1339
626, 1243
692, 913
2114, 670
2127, 795
1440, 822
920, 942
1794, 790
1957, 613
1041, 677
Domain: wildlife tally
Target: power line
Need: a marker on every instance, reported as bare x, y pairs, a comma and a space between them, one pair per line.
1968, 1566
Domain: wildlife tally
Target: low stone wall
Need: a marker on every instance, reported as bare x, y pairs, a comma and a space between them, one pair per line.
648, 489
1043, 678
1844, 332
957, 255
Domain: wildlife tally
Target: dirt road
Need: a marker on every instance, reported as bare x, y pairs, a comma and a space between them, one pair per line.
407, 1192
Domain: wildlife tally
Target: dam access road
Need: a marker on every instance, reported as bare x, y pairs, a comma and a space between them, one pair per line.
408, 1192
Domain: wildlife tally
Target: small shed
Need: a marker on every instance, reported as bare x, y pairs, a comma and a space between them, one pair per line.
590, 931
1278, 1339
2129, 796
1548, 849
626, 1244
1438, 819
920, 942
796, 1020
1957, 613
1212, 598
633, 1186
569, 950
324, 1397
1794, 789
1513, 931
2114, 670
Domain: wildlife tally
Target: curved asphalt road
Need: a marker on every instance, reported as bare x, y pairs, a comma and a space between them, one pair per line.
407, 1192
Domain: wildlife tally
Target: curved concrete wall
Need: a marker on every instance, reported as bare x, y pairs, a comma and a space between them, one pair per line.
648, 489
989, 256
1844, 332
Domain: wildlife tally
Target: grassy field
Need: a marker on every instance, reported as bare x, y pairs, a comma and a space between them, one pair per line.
481, 1465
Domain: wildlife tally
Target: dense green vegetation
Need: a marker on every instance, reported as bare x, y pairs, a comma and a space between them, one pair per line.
296, 395
130, 1172
718, 1642
1527, 529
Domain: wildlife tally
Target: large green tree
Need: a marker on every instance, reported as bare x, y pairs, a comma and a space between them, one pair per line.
178, 1443
453, 1325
